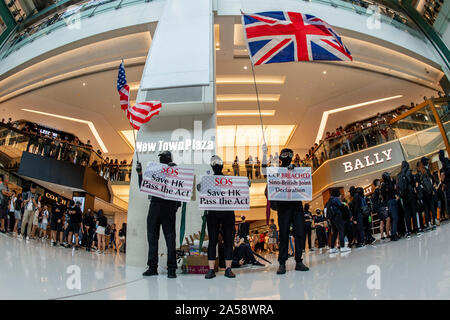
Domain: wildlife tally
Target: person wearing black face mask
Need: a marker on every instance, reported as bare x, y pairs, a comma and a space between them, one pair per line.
290, 213
427, 182
216, 220
161, 212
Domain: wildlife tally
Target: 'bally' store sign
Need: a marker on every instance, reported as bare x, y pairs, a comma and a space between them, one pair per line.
368, 161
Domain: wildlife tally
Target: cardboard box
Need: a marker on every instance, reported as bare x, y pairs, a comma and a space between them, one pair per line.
198, 264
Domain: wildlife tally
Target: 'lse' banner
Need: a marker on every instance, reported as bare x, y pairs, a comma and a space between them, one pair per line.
170, 183
289, 185
225, 193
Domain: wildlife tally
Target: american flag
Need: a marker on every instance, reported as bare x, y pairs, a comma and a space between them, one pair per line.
282, 36
142, 112
123, 88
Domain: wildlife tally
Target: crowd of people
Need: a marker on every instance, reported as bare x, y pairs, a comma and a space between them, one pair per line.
64, 147
25, 216
408, 204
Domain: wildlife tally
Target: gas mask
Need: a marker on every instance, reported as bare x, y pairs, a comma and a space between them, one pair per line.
165, 157
286, 156
217, 165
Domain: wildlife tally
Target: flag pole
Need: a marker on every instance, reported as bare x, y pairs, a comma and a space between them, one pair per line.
132, 127
257, 100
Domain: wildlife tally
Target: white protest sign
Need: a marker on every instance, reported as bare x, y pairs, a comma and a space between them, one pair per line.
289, 185
225, 193
170, 183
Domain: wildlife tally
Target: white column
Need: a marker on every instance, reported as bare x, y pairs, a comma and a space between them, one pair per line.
180, 72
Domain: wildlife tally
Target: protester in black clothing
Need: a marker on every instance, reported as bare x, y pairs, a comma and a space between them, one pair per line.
381, 210
289, 213
243, 229
308, 225
112, 237
405, 187
243, 255
446, 177
75, 215
161, 212
56, 222
357, 216
89, 228
427, 182
334, 212
320, 224
219, 219
389, 197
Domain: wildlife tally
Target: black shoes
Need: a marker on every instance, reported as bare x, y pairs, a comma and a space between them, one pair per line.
171, 274
150, 272
394, 238
281, 269
211, 274
299, 266
257, 263
229, 273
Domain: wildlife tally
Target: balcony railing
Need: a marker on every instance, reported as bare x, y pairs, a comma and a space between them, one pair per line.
82, 12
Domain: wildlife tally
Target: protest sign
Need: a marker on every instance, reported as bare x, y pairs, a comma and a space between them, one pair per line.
170, 183
289, 185
225, 193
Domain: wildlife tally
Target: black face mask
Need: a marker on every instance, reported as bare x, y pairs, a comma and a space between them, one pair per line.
165, 159
217, 168
285, 161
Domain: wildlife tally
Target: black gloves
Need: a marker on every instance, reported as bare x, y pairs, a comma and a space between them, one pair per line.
139, 168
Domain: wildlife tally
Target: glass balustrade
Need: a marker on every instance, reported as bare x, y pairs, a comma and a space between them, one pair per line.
73, 18
13, 142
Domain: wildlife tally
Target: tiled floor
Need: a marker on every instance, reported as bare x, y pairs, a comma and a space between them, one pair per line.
418, 268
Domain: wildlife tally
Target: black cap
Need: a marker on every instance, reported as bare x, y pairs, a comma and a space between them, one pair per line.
165, 154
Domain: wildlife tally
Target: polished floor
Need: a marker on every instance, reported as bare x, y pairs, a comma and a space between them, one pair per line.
418, 268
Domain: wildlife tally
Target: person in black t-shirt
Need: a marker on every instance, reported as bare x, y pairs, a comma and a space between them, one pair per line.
308, 223
101, 227
320, 224
56, 222
88, 229
75, 215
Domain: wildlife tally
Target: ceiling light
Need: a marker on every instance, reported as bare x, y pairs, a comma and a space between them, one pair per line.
324, 120
84, 84
134, 86
251, 135
239, 113
247, 97
128, 137
89, 123
249, 80
245, 67
324, 72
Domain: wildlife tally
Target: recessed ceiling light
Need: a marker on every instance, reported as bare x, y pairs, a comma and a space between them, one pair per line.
247, 97
84, 83
245, 67
324, 72
231, 79
237, 113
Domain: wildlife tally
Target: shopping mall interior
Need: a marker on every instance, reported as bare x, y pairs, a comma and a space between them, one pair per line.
64, 134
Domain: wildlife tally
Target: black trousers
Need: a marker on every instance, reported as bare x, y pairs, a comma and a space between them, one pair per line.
358, 229
223, 220
88, 235
307, 236
242, 252
337, 228
161, 213
348, 231
290, 215
367, 229
321, 236
429, 207
12, 221
408, 210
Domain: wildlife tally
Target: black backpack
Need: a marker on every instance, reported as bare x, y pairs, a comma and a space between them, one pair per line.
402, 185
331, 211
427, 185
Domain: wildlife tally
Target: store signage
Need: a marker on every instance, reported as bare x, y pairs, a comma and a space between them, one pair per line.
225, 193
170, 183
370, 160
289, 185
184, 145
55, 198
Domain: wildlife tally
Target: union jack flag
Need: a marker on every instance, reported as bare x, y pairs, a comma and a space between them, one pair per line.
281, 36
123, 88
